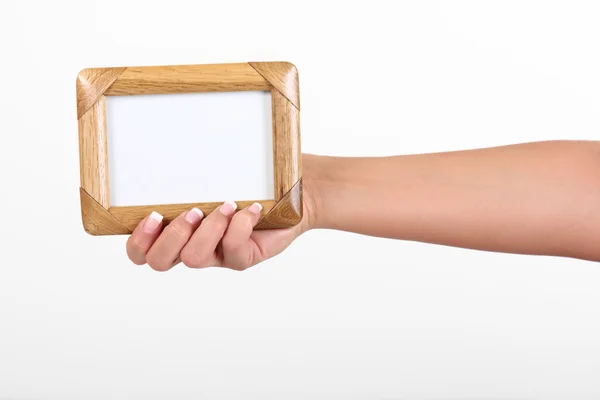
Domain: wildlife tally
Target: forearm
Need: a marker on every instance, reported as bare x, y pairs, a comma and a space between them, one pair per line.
535, 198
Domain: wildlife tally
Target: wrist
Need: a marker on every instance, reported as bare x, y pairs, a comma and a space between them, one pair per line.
312, 189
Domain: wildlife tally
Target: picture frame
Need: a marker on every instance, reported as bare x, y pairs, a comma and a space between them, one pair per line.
94, 85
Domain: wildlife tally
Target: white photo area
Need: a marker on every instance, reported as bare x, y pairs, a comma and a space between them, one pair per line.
190, 147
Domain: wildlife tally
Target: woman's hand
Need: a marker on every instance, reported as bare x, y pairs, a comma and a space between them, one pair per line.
224, 238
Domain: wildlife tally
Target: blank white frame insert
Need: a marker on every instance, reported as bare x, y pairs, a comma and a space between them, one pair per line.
190, 147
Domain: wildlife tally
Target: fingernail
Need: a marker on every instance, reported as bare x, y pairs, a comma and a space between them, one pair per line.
153, 222
255, 208
194, 216
228, 208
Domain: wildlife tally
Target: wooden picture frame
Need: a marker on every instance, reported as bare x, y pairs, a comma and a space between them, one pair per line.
94, 84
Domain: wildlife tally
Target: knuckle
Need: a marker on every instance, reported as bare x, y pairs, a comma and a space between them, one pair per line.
237, 263
178, 229
243, 220
157, 263
191, 259
137, 260
219, 223
134, 243
231, 244
135, 253
237, 266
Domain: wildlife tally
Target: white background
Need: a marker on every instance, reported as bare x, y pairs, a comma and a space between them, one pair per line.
337, 316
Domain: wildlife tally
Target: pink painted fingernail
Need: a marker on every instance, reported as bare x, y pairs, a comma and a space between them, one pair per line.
194, 216
255, 208
228, 208
153, 222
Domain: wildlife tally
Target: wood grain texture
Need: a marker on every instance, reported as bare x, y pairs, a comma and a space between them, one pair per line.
91, 84
283, 76
281, 79
93, 153
96, 219
187, 79
131, 216
287, 155
288, 211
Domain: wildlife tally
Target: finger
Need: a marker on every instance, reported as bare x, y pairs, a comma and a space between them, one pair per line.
164, 253
200, 251
237, 246
143, 237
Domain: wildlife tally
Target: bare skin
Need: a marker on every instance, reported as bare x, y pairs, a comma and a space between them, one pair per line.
538, 198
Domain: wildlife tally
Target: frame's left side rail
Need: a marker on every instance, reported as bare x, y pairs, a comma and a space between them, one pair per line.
93, 153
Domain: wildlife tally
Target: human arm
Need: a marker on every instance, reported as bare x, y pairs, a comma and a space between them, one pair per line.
538, 198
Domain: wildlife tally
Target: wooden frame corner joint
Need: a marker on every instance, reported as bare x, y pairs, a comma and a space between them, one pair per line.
283, 76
